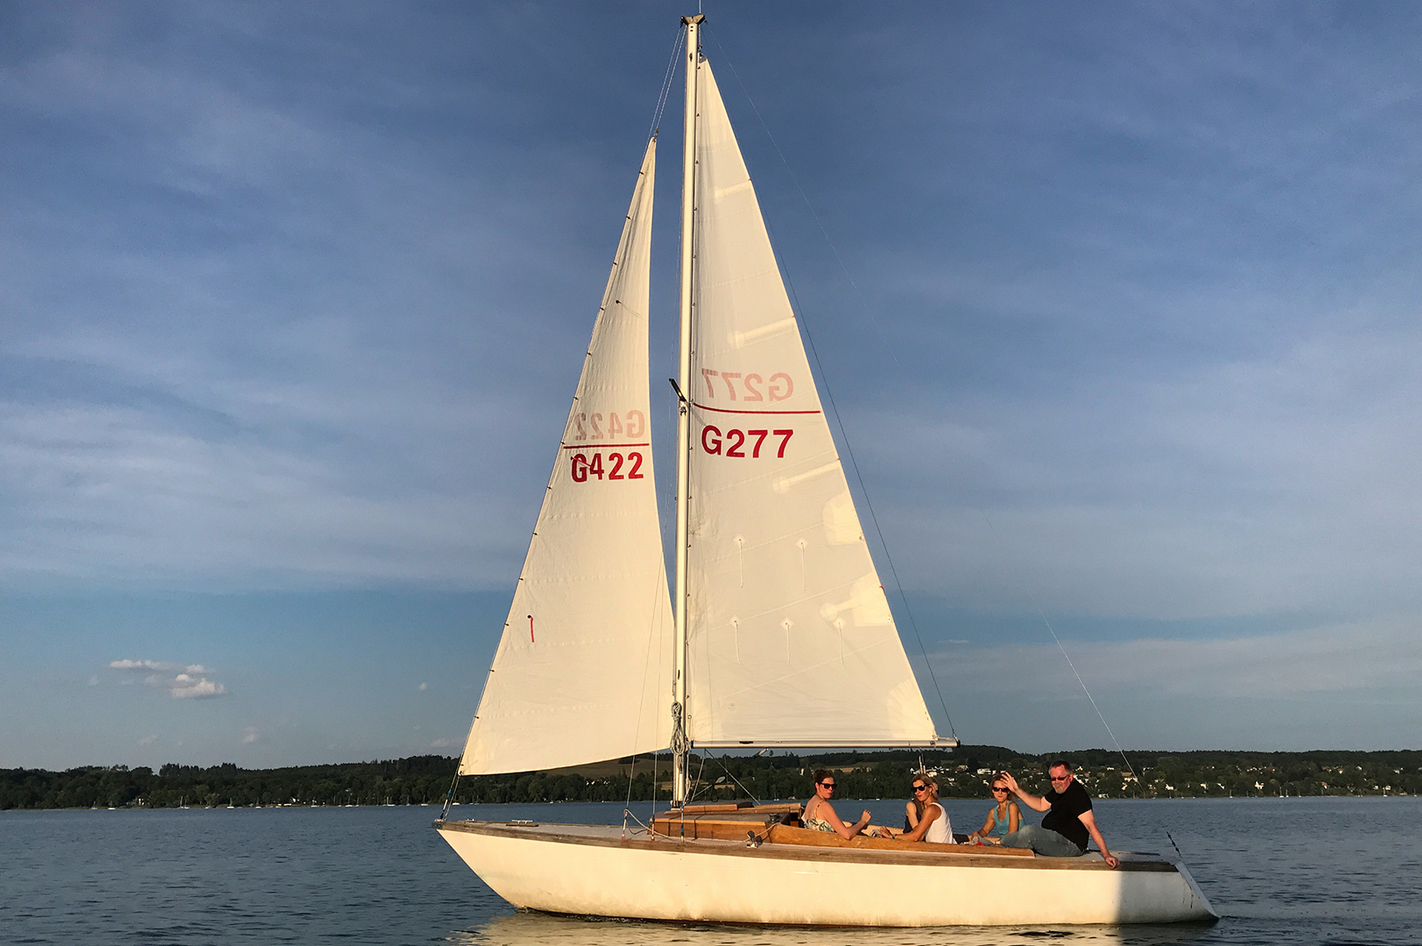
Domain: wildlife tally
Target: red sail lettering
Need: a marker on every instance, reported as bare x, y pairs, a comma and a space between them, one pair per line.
785, 435
759, 436
734, 449
712, 447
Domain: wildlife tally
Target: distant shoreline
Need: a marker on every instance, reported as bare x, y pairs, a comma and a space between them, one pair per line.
962, 773
663, 802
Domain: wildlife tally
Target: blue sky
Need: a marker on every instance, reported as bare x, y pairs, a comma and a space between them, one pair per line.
1117, 302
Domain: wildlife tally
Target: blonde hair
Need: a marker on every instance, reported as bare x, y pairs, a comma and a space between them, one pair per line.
932, 794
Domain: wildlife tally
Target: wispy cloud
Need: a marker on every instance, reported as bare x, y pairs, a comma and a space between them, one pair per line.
1307, 688
296, 301
1339, 658
182, 423
157, 665
1273, 483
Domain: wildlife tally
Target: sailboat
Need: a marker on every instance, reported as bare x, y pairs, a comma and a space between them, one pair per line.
777, 632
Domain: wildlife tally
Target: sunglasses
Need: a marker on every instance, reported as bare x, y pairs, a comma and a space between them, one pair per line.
999, 788
920, 788
1061, 778
829, 785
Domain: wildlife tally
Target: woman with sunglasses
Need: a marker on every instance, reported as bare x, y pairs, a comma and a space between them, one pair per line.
913, 811
819, 813
933, 825
1003, 818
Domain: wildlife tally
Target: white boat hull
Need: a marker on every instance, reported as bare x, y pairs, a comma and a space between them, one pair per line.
593, 870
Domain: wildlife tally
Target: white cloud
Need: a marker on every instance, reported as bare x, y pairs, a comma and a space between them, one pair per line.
186, 687
157, 665
424, 686
250, 735
148, 740
182, 681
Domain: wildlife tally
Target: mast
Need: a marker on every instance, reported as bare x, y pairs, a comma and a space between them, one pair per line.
680, 746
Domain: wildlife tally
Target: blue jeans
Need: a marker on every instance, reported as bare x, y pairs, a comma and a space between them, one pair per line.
1043, 841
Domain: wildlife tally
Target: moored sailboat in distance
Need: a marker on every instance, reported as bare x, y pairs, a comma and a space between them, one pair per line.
778, 632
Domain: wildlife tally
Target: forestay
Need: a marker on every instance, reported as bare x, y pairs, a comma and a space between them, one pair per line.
582, 669
790, 637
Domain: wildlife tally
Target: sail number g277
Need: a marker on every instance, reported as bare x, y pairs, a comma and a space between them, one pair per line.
744, 443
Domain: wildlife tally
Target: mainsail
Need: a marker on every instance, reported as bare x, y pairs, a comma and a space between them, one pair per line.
790, 637
582, 670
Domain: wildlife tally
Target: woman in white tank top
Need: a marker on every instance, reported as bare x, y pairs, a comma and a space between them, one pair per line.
933, 826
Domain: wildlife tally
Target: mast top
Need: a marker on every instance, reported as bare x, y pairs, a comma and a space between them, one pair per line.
690, 20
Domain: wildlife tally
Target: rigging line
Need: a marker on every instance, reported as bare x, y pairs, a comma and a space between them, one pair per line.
721, 760
834, 250
1051, 630
665, 92
449, 796
454, 784
697, 782
829, 394
627, 813
627, 808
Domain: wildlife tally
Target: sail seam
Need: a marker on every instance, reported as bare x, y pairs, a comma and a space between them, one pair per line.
593, 445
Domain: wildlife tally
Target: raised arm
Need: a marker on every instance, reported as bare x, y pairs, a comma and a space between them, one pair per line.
1089, 819
1030, 800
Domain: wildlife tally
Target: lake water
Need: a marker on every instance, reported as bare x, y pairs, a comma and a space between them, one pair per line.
1328, 870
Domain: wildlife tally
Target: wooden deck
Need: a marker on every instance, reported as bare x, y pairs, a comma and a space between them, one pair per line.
782, 842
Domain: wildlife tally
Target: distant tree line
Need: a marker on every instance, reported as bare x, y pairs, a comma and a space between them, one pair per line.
963, 773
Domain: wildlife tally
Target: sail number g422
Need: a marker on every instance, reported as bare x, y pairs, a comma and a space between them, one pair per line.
618, 466
743, 443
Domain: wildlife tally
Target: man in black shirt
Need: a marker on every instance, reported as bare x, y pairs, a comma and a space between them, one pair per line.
1069, 823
